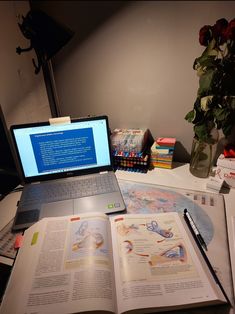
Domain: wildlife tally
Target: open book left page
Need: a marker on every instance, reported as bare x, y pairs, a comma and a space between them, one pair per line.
64, 266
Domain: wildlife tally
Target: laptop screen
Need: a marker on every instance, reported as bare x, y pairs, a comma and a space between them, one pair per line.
62, 149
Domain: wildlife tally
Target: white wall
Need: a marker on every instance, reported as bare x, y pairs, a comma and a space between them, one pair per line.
137, 66
22, 93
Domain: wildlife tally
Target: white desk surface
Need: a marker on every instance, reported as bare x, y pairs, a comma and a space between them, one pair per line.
178, 177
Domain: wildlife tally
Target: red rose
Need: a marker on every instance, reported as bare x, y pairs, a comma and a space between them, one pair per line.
220, 31
205, 35
230, 31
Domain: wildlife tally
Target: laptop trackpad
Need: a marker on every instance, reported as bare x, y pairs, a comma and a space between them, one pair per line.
86, 204
55, 209
101, 203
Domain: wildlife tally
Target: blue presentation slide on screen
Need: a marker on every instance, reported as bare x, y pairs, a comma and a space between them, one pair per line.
51, 148
64, 149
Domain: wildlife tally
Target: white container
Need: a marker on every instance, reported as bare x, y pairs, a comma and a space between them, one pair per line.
226, 162
226, 174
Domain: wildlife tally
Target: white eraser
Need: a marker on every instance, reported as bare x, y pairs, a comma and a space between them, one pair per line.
215, 183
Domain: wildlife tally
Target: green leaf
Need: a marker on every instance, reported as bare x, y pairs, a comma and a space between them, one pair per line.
203, 156
204, 62
211, 49
220, 113
190, 116
201, 132
205, 83
206, 102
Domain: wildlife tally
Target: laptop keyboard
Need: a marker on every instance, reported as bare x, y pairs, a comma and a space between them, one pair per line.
51, 192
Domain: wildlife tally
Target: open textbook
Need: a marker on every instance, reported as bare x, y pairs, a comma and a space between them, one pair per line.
92, 262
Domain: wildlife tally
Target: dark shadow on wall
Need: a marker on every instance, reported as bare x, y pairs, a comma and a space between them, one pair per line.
82, 17
180, 153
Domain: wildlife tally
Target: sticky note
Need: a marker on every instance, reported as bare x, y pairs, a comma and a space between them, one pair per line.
35, 238
166, 141
18, 241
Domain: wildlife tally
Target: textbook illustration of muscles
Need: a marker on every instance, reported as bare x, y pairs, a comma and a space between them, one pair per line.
175, 253
91, 241
124, 229
83, 229
87, 239
154, 227
127, 247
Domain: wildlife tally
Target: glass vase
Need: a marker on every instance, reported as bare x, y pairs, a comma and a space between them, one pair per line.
202, 158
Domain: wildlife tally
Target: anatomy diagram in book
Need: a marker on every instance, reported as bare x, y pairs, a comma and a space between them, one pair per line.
175, 253
123, 229
154, 244
154, 227
87, 237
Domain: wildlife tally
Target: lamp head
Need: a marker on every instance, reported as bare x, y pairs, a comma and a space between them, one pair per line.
46, 36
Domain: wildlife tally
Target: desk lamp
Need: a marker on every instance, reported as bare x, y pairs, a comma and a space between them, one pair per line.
47, 37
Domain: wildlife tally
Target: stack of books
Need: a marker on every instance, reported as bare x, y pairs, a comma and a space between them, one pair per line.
131, 149
162, 152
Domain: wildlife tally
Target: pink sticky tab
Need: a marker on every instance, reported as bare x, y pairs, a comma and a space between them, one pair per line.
18, 241
168, 141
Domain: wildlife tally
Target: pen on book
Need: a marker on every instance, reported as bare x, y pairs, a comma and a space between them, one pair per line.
195, 229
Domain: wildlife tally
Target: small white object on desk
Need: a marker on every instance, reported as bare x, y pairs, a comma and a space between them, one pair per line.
215, 183
226, 170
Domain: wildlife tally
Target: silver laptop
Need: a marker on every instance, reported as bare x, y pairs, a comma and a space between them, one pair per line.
66, 168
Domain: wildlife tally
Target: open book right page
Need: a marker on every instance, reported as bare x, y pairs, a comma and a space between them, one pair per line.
158, 265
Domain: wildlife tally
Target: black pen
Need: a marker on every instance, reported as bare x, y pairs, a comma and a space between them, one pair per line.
189, 219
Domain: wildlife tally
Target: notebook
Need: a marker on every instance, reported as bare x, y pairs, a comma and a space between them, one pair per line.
66, 168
